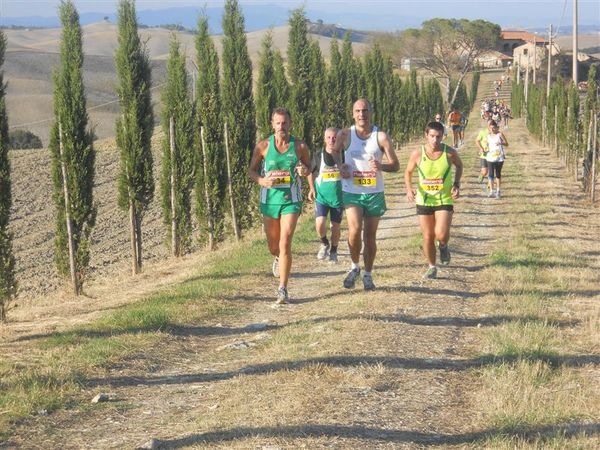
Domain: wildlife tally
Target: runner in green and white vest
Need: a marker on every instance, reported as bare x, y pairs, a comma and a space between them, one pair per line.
277, 164
328, 185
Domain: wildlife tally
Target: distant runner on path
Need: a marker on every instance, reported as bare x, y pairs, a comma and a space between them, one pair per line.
328, 185
435, 193
482, 145
363, 147
277, 164
454, 119
495, 156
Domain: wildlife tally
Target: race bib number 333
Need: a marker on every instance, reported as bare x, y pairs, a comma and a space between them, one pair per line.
365, 179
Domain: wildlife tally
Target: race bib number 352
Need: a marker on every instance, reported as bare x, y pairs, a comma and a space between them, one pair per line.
365, 179
432, 185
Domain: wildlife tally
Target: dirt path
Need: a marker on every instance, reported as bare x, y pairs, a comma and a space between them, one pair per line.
336, 368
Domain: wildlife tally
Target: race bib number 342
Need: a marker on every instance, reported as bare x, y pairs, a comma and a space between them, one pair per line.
281, 178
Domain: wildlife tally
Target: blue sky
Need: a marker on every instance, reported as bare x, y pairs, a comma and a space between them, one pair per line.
508, 13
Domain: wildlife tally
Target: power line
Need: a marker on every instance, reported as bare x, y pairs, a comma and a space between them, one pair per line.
91, 108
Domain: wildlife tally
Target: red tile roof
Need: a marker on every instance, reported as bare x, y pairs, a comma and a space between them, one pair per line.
522, 35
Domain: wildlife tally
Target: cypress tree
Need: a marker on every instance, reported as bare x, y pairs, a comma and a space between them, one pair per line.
281, 84
350, 76
210, 190
336, 112
267, 97
134, 126
73, 156
238, 111
317, 105
8, 284
299, 70
592, 104
177, 178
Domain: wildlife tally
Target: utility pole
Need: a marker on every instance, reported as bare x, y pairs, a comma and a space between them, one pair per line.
575, 74
549, 79
534, 56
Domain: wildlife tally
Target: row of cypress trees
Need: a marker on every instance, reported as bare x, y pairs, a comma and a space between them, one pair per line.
222, 113
320, 95
561, 120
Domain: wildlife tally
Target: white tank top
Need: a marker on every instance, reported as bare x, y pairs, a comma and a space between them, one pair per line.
363, 179
495, 148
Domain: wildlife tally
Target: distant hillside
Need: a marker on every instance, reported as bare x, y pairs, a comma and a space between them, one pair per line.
32, 55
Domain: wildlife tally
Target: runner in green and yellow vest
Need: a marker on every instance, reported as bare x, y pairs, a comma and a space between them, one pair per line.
277, 164
482, 146
435, 194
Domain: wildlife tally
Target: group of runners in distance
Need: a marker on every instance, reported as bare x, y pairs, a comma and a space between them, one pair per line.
347, 175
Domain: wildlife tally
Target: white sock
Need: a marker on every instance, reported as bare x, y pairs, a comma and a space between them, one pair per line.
355, 266
366, 274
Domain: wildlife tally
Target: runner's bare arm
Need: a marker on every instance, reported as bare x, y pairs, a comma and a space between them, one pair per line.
304, 157
254, 170
393, 165
342, 142
503, 139
455, 159
413, 160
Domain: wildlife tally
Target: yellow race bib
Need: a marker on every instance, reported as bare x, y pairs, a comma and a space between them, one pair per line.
364, 179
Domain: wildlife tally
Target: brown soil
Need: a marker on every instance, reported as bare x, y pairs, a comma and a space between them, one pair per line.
391, 369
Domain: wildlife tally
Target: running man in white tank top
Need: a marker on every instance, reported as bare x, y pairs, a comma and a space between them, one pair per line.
363, 147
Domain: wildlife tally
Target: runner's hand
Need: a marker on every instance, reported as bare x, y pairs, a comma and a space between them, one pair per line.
410, 195
374, 164
345, 171
455, 192
266, 182
302, 170
311, 195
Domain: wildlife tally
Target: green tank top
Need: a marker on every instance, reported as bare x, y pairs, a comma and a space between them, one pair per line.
329, 185
435, 182
286, 189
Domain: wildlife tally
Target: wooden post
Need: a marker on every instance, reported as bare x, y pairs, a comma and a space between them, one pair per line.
589, 140
174, 240
236, 228
544, 127
594, 158
549, 78
211, 222
63, 168
556, 129
569, 137
135, 264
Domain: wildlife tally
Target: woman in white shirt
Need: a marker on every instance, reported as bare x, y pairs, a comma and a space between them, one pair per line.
497, 144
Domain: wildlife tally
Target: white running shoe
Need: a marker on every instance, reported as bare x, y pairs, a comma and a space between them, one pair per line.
323, 252
275, 267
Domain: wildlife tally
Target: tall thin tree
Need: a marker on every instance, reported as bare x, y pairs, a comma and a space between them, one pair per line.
267, 97
8, 284
73, 156
177, 178
317, 101
134, 126
238, 110
210, 167
299, 65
